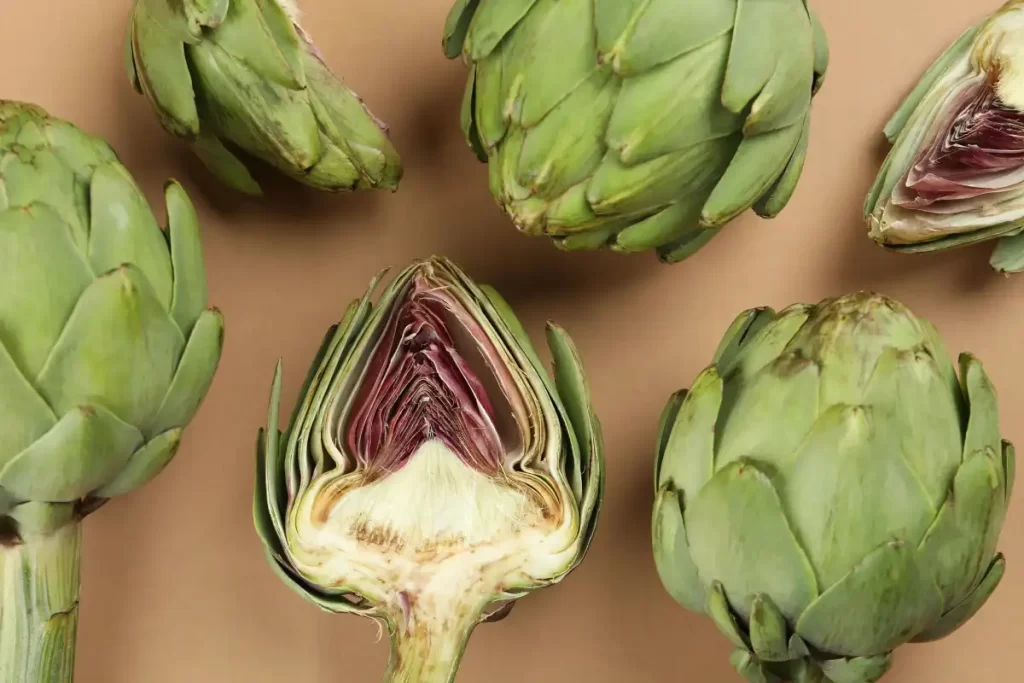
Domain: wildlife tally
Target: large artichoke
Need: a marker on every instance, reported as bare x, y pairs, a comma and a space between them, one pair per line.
432, 473
106, 351
638, 124
830, 489
230, 75
955, 174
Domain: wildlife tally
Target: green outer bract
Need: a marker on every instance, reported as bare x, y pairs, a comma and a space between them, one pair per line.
638, 124
289, 462
107, 349
242, 74
831, 488
998, 215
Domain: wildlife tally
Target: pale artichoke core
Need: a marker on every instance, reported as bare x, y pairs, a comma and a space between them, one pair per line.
439, 509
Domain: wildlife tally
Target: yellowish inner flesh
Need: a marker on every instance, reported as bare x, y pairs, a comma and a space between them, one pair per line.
434, 539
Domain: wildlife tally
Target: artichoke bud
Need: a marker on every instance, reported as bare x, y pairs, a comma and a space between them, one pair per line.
638, 126
432, 473
242, 77
107, 346
955, 173
832, 487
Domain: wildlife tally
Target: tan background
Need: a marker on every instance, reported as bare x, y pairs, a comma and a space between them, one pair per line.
175, 585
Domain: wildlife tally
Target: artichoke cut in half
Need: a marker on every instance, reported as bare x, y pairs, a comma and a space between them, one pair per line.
107, 350
432, 473
243, 75
830, 488
955, 174
638, 125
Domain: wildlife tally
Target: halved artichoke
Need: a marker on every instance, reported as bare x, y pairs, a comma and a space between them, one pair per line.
432, 473
955, 174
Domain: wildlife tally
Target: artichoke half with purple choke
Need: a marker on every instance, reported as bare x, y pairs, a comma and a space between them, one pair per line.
432, 473
955, 174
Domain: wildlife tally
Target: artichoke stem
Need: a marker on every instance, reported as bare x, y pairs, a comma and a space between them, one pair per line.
39, 580
427, 648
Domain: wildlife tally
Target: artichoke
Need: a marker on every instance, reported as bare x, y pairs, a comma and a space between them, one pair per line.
638, 124
432, 473
106, 352
955, 173
229, 75
830, 488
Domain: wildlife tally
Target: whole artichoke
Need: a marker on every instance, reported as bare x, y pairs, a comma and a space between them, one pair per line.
829, 489
432, 473
106, 351
638, 124
955, 174
229, 75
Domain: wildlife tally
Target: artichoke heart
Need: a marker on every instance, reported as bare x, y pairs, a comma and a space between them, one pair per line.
955, 174
830, 488
232, 76
432, 473
633, 125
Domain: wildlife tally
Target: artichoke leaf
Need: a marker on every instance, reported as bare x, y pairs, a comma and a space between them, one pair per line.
163, 73
672, 559
638, 35
962, 613
1008, 256
491, 23
665, 424
144, 464
189, 293
24, 416
223, 163
857, 669
87, 447
743, 503
885, 597
768, 630
689, 460
119, 348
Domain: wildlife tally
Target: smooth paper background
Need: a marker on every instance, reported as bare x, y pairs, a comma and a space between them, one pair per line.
175, 585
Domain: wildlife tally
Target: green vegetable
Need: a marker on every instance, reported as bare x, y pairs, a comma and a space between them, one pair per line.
106, 352
638, 124
242, 75
831, 488
955, 174
432, 473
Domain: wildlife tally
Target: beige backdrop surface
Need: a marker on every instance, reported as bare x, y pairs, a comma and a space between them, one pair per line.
175, 585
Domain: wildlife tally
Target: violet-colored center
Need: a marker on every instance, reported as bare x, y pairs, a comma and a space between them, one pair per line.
419, 386
980, 145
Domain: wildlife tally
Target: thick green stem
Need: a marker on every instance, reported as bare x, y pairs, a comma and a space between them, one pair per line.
39, 607
428, 649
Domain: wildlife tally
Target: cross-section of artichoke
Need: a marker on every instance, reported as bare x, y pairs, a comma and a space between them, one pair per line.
107, 349
955, 174
830, 489
230, 75
432, 472
638, 124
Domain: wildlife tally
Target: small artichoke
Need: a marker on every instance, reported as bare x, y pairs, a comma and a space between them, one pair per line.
955, 173
106, 352
432, 473
830, 489
229, 75
638, 124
